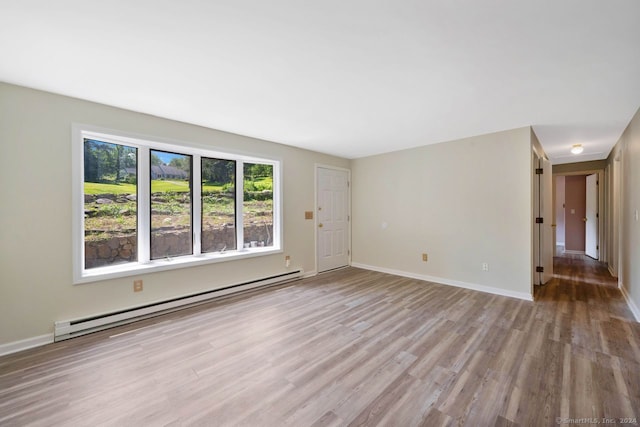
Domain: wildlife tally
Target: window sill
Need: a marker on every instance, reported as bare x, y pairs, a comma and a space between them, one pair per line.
134, 269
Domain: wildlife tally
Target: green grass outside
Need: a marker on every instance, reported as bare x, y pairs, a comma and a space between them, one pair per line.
100, 188
157, 186
160, 186
210, 187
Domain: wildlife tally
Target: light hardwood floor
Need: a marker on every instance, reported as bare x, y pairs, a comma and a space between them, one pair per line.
351, 347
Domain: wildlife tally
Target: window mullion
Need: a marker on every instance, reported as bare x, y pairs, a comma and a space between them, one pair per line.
196, 185
240, 204
277, 205
144, 205
78, 197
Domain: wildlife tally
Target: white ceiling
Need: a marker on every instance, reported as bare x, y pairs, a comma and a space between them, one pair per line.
348, 77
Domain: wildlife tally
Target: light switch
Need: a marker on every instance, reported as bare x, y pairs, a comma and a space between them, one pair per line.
573, 211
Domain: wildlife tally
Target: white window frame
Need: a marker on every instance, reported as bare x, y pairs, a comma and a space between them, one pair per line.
144, 264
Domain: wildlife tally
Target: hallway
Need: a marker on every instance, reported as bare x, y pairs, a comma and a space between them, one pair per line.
582, 286
588, 313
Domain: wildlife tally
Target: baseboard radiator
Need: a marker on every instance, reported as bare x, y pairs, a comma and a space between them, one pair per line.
73, 328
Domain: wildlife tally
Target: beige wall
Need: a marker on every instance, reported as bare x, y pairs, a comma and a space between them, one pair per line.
624, 189
35, 213
463, 202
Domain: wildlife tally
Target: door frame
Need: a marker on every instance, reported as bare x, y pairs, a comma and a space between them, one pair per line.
601, 203
542, 203
318, 166
615, 210
598, 177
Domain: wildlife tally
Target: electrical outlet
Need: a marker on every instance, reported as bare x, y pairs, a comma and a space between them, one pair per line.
137, 286
485, 266
425, 257
287, 261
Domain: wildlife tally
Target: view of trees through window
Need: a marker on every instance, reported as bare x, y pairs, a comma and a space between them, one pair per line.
171, 194
257, 209
218, 205
110, 203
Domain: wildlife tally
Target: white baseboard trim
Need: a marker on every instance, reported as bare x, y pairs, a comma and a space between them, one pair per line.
449, 282
611, 272
632, 306
25, 344
308, 274
568, 251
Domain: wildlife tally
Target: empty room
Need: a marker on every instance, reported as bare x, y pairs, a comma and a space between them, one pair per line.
407, 213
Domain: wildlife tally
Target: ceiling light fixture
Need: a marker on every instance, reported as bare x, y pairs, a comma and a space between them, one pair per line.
577, 148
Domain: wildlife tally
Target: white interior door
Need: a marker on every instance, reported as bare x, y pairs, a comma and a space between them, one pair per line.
543, 240
537, 234
547, 241
332, 218
591, 218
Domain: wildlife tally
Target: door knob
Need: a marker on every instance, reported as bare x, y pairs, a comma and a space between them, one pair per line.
319, 225
584, 219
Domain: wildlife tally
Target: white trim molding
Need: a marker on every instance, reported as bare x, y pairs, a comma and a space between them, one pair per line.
308, 274
632, 305
25, 344
448, 282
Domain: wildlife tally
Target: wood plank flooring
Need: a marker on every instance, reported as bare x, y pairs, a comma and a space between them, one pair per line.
350, 347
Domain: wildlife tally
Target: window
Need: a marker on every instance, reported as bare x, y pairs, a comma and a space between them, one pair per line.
257, 209
218, 205
171, 231
110, 203
147, 205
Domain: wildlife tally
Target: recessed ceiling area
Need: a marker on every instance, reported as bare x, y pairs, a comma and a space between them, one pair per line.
352, 78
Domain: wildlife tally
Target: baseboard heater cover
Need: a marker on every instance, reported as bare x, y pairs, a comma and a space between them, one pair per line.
73, 328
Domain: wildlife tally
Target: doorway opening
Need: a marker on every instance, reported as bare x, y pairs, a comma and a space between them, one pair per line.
578, 232
578, 225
